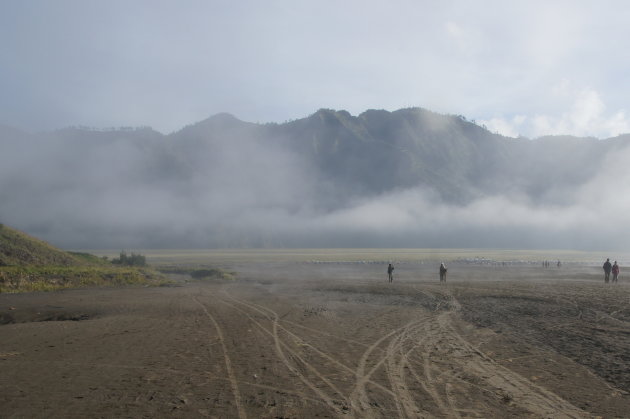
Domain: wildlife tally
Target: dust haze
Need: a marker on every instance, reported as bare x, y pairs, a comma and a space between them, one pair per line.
136, 188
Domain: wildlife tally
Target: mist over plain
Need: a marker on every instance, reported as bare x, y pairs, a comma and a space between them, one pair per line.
410, 178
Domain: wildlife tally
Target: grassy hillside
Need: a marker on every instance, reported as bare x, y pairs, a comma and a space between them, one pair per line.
30, 264
17, 248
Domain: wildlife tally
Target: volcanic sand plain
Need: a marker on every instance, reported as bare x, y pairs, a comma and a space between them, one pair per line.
325, 339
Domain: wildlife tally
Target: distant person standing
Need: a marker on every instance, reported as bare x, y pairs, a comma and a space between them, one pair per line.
443, 272
607, 268
390, 272
615, 272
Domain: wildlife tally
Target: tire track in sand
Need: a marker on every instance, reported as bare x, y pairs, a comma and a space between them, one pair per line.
394, 368
228, 363
355, 399
273, 316
336, 404
403, 371
444, 339
398, 361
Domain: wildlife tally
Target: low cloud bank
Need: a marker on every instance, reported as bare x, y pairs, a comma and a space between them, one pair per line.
130, 193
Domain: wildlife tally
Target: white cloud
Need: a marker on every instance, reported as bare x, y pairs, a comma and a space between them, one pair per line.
586, 116
509, 128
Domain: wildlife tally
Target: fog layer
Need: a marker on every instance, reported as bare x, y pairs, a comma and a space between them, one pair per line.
409, 178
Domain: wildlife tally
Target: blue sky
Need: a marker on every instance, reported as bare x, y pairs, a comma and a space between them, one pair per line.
520, 67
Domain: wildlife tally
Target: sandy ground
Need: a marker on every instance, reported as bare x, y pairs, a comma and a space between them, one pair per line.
309, 340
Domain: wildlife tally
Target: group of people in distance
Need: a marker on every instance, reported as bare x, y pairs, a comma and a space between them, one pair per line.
390, 272
547, 264
611, 268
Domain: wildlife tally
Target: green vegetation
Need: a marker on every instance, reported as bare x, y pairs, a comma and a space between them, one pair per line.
50, 278
17, 248
29, 264
89, 258
132, 260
